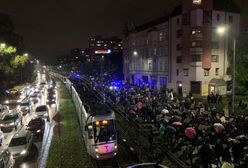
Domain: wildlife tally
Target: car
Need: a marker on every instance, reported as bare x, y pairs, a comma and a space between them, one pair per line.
36, 126
1, 137
20, 144
6, 159
51, 100
42, 111
3, 110
10, 121
26, 107
35, 98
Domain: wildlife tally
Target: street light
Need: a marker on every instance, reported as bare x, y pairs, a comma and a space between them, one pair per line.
25, 54
135, 53
2, 45
222, 30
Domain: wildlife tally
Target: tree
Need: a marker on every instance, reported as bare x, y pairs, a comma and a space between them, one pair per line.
241, 64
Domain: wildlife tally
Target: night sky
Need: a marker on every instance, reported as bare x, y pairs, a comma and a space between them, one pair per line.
52, 27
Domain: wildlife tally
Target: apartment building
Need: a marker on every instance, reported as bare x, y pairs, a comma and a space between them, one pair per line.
194, 56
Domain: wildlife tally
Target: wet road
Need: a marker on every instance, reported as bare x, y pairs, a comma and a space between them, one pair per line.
32, 160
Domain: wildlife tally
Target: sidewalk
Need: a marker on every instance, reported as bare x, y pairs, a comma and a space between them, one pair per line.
68, 150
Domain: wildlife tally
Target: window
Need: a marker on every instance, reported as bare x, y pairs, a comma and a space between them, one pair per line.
161, 36
230, 19
217, 71
161, 66
179, 33
178, 21
196, 30
218, 17
215, 58
215, 45
196, 44
206, 72
195, 87
149, 66
163, 81
207, 16
179, 47
196, 58
155, 51
179, 59
185, 72
177, 72
196, 2
186, 19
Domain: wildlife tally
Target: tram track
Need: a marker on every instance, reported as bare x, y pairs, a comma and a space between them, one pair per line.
164, 149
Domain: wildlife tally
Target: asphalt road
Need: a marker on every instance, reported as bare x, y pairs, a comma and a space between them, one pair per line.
32, 160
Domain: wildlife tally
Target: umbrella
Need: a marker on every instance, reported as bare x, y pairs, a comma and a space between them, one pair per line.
242, 138
164, 111
176, 118
176, 112
218, 127
167, 119
170, 129
190, 132
177, 124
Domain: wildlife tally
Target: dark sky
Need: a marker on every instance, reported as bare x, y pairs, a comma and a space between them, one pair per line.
53, 27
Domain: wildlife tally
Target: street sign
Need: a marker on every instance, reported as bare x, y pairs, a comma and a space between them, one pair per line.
58, 117
58, 129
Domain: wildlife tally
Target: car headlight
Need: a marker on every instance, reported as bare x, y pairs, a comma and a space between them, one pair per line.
1, 125
23, 152
35, 115
96, 150
46, 114
26, 108
19, 100
38, 131
7, 102
12, 124
115, 146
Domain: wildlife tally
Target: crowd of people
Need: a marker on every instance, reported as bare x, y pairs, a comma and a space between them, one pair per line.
208, 137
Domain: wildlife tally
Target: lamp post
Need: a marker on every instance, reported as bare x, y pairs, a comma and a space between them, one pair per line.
222, 30
2, 45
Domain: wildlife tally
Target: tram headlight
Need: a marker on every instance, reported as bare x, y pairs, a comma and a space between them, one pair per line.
115, 146
96, 150
97, 156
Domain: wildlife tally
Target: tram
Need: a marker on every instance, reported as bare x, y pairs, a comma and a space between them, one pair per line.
99, 129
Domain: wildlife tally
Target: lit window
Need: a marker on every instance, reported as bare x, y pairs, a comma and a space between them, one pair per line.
215, 58
196, 2
161, 36
206, 72
99, 45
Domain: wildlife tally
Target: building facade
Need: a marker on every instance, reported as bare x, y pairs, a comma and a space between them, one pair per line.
195, 57
107, 53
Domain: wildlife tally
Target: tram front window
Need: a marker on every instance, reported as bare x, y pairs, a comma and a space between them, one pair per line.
104, 131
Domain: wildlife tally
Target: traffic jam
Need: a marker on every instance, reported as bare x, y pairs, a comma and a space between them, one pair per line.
25, 116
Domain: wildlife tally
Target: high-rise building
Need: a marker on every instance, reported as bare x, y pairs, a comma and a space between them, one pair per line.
107, 52
184, 51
